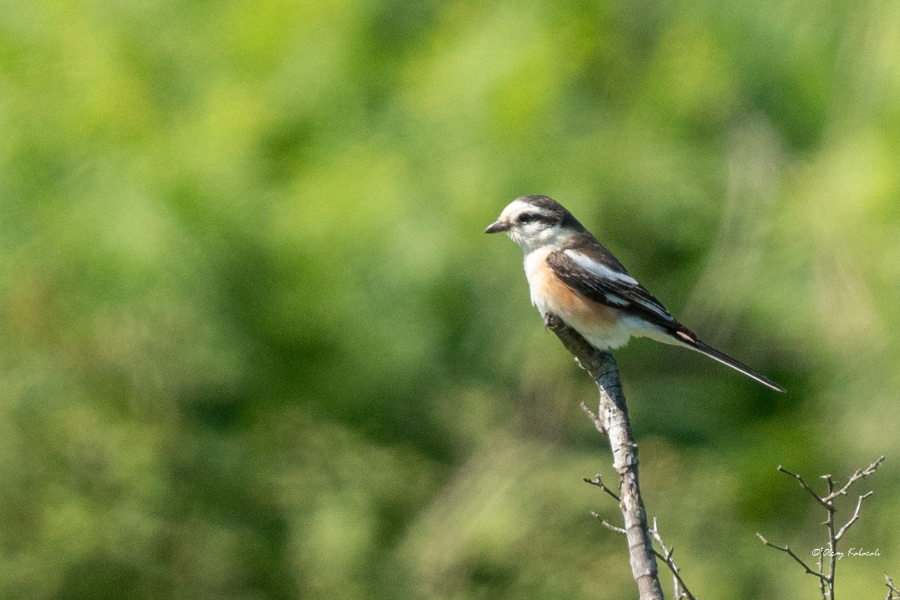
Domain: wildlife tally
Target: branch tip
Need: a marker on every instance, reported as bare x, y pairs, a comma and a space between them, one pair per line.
891, 589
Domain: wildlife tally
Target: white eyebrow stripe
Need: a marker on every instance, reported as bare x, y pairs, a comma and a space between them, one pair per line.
598, 269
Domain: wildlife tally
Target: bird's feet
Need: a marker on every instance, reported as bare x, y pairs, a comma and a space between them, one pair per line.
551, 321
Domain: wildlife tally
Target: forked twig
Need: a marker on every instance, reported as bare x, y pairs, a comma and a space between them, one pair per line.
598, 481
859, 474
681, 590
825, 574
598, 422
854, 518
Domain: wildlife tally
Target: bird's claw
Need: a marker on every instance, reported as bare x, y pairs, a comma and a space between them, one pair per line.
551, 321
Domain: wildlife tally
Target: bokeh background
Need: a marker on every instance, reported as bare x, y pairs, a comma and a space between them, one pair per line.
256, 346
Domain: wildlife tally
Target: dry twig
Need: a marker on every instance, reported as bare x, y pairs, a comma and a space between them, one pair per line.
787, 550
681, 590
826, 573
891, 589
599, 483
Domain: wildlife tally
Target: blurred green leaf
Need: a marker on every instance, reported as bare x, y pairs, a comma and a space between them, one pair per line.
255, 344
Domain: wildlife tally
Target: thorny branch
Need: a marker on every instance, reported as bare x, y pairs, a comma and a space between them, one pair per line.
826, 575
843, 529
859, 474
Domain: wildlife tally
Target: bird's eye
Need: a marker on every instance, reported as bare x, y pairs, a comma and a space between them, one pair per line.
527, 218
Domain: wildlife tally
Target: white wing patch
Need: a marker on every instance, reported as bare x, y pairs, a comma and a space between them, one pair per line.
598, 269
655, 308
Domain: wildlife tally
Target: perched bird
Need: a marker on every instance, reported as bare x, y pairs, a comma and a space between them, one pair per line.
575, 277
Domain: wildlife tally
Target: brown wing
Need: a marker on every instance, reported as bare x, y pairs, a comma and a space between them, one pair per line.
618, 289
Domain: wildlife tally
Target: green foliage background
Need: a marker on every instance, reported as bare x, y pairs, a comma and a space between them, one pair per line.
255, 345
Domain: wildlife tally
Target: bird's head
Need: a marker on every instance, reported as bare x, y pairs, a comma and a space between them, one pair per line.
536, 221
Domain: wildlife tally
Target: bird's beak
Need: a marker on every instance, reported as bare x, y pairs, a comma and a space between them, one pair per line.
497, 227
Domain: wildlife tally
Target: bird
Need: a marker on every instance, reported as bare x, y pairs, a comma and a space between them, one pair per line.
573, 276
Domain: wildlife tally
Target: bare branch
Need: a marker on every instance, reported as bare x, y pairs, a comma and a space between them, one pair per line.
823, 585
614, 528
853, 520
828, 591
826, 572
681, 590
804, 485
612, 418
609, 525
859, 474
792, 555
599, 483
890, 586
598, 423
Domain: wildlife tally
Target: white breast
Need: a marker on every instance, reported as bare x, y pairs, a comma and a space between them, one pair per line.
534, 262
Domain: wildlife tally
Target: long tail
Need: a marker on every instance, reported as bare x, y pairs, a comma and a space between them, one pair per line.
738, 366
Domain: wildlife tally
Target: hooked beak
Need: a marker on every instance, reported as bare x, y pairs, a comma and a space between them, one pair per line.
497, 227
